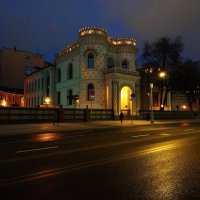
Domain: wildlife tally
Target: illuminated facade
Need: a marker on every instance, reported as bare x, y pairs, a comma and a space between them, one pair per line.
40, 85
100, 71
15, 64
11, 97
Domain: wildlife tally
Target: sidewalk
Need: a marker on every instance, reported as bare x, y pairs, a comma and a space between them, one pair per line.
15, 129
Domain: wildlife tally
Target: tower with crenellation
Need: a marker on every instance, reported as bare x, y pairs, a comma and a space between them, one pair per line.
100, 71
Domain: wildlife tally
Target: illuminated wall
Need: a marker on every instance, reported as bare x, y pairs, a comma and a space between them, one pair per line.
126, 103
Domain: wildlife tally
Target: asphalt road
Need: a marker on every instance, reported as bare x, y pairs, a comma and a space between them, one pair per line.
143, 162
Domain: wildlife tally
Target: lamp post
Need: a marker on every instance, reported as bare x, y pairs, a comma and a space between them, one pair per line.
151, 103
75, 99
47, 101
162, 75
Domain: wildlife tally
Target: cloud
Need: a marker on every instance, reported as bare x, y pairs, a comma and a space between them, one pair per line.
149, 19
49, 26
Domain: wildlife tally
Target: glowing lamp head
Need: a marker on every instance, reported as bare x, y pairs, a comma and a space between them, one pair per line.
47, 100
4, 103
162, 74
184, 107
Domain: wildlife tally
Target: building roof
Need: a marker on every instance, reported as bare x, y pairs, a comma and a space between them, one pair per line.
12, 90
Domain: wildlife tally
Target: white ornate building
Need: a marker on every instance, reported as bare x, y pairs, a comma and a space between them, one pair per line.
98, 71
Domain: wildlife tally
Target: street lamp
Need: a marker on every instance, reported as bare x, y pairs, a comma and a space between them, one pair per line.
47, 100
162, 75
151, 103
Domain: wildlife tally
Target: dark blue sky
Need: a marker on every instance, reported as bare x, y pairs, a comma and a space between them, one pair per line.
47, 26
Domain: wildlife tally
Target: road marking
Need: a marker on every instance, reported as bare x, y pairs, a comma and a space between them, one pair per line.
135, 136
39, 149
86, 164
165, 134
190, 129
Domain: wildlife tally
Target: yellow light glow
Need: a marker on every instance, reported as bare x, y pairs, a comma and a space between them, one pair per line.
162, 74
107, 96
184, 107
47, 100
47, 137
125, 98
4, 103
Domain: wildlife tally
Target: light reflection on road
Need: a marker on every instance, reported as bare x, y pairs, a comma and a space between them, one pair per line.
163, 168
47, 137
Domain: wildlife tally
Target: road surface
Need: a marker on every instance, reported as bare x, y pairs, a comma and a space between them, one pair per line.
143, 162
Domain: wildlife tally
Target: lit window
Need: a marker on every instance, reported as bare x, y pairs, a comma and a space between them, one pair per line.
90, 60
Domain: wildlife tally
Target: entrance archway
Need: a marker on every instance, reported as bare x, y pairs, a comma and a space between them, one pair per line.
125, 100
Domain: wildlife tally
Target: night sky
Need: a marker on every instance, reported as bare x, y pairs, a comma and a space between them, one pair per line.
47, 26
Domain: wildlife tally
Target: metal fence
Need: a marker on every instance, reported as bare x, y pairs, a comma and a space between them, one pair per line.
29, 115
8, 114
169, 114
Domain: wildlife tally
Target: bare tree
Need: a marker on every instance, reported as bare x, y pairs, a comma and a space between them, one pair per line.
161, 55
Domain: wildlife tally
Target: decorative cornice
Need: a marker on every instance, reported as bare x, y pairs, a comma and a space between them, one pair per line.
87, 31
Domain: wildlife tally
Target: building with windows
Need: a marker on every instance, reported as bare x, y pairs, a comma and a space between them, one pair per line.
39, 85
10, 97
97, 71
100, 72
15, 64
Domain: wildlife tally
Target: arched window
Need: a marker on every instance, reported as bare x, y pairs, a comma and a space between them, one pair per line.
90, 60
59, 75
47, 86
91, 92
110, 63
124, 64
70, 71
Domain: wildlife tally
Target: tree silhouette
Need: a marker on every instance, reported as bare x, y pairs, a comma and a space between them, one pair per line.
161, 55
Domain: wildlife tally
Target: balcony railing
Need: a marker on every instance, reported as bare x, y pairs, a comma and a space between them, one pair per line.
121, 71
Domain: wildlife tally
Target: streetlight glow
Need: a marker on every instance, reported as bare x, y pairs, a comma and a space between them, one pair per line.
47, 100
151, 103
162, 74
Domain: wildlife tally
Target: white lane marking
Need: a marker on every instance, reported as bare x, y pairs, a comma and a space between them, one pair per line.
165, 134
135, 136
39, 149
189, 129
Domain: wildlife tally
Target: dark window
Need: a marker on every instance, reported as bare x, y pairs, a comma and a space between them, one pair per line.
58, 97
59, 75
38, 85
70, 72
91, 92
124, 64
28, 69
110, 63
48, 86
90, 60
42, 83
155, 98
69, 97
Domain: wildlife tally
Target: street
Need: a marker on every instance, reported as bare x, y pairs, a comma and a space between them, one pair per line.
143, 162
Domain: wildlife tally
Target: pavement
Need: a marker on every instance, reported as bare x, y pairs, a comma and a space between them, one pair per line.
16, 129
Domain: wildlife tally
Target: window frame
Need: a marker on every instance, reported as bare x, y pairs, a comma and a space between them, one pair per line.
70, 72
126, 64
90, 89
90, 60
